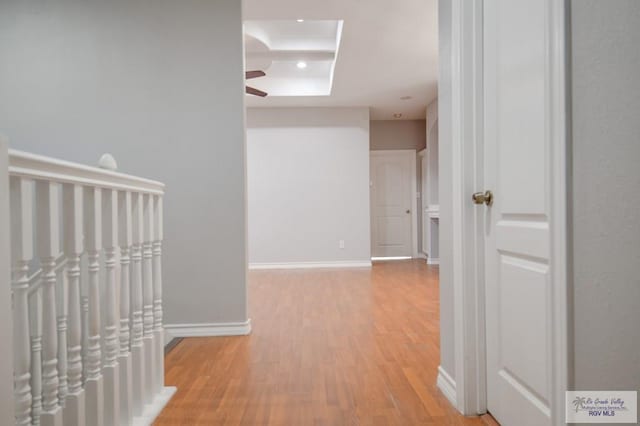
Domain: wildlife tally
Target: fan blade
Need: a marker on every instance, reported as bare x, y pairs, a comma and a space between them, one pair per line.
254, 74
254, 91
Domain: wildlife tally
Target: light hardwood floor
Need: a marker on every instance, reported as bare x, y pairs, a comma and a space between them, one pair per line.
328, 347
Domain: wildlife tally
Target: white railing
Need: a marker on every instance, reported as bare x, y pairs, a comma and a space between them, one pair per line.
87, 294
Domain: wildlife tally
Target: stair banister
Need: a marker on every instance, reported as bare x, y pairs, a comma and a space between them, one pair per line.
73, 248
124, 358
87, 347
21, 253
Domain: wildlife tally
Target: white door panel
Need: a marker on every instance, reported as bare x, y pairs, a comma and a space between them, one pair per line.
517, 170
391, 204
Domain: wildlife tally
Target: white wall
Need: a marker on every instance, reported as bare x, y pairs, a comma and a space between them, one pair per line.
308, 185
447, 360
606, 189
159, 84
432, 148
431, 180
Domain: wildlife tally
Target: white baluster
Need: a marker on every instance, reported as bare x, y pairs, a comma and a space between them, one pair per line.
74, 411
137, 346
147, 294
124, 358
111, 371
85, 336
158, 330
48, 245
35, 324
88, 342
93, 242
62, 308
21, 253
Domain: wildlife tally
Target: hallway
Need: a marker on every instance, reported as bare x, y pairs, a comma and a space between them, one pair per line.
328, 347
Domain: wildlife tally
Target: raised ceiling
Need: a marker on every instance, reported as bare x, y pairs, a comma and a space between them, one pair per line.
388, 51
298, 56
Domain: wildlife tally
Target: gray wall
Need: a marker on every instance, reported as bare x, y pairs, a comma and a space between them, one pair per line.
606, 193
397, 134
159, 84
445, 159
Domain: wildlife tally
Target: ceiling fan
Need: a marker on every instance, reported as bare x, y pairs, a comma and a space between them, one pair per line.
251, 90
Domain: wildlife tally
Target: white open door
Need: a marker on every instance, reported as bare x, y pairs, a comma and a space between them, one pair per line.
393, 181
518, 170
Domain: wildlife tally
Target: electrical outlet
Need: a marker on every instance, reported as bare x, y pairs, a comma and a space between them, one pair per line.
341, 244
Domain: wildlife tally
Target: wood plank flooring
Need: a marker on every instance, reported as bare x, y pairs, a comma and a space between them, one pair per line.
328, 347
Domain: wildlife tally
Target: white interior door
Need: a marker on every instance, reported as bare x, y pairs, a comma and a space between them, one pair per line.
517, 170
392, 183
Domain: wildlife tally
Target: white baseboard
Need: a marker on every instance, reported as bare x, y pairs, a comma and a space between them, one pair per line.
151, 411
432, 261
167, 336
447, 385
310, 265
209, 329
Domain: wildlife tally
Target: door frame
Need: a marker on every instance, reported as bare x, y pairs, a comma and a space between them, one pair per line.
411, 154
422, 157
468, 238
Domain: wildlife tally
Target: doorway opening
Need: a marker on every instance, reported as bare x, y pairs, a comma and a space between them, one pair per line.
507, 143
394, 230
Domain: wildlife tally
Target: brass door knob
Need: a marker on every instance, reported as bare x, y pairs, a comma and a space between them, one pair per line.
483, 198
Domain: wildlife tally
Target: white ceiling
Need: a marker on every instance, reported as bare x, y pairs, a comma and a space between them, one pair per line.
388, 50
276, 47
